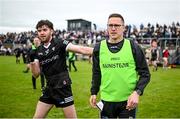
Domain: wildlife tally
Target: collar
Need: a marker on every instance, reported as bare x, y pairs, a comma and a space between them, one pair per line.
46, 46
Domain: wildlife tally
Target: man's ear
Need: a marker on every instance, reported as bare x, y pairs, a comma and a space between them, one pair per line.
52, 31
123, 28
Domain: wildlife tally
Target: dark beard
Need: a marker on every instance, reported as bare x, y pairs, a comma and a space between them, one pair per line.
45, 40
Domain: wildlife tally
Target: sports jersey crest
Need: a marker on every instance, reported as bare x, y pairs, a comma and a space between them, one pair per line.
47, 51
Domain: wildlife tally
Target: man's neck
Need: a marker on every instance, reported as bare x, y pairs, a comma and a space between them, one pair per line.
47, 44
115, 40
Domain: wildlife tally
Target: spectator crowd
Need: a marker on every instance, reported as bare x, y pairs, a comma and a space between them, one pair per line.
11, 41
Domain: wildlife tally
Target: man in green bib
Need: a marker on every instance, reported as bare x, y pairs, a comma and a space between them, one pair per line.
120, 72
72, 59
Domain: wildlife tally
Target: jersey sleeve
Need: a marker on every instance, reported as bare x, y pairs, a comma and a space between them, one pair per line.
141, 67
96, 72
64, 44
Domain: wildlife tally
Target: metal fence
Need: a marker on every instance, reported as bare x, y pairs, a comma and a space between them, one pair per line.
162, 42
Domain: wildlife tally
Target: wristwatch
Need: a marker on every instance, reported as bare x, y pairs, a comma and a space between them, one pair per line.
138, 92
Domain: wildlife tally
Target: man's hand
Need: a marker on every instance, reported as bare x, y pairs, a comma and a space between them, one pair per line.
35, 68
92, 101
133, 101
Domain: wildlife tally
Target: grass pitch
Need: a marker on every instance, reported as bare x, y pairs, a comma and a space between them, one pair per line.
18, 99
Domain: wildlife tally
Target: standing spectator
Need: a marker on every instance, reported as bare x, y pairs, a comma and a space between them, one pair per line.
148, 55
154, 54
35, 45
72, 59
51, 56
117, 62
178, 55
17, 52
26, 58
165, 58
25, 50
172, 55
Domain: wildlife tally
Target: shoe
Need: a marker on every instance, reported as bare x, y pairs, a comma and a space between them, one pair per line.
25, 71
156, 68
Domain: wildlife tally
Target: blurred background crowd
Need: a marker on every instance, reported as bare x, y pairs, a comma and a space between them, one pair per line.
168, 36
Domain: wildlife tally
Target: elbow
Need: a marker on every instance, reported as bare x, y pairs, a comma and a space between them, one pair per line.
148, 78
87, 51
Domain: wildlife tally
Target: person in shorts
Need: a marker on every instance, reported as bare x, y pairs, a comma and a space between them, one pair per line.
51, 57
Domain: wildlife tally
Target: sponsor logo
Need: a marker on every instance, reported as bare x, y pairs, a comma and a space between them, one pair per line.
50, 59
115, 58
116, 65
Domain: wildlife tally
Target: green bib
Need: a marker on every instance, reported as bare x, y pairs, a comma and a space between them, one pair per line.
71, 55
33, 47
118, 74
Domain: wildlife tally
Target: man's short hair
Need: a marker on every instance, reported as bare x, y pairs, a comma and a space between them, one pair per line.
44, 22
116, 15
154, 40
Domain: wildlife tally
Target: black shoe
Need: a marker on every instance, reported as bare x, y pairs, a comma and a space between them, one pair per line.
156, 68
25, 71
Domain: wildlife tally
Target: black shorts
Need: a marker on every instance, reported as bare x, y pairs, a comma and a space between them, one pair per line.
17, 56
117, 109
153, 58
60, 97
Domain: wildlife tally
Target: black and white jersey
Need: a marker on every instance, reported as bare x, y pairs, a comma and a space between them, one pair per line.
154, 53
52, 59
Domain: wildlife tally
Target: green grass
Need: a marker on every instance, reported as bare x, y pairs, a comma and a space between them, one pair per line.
18, 99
